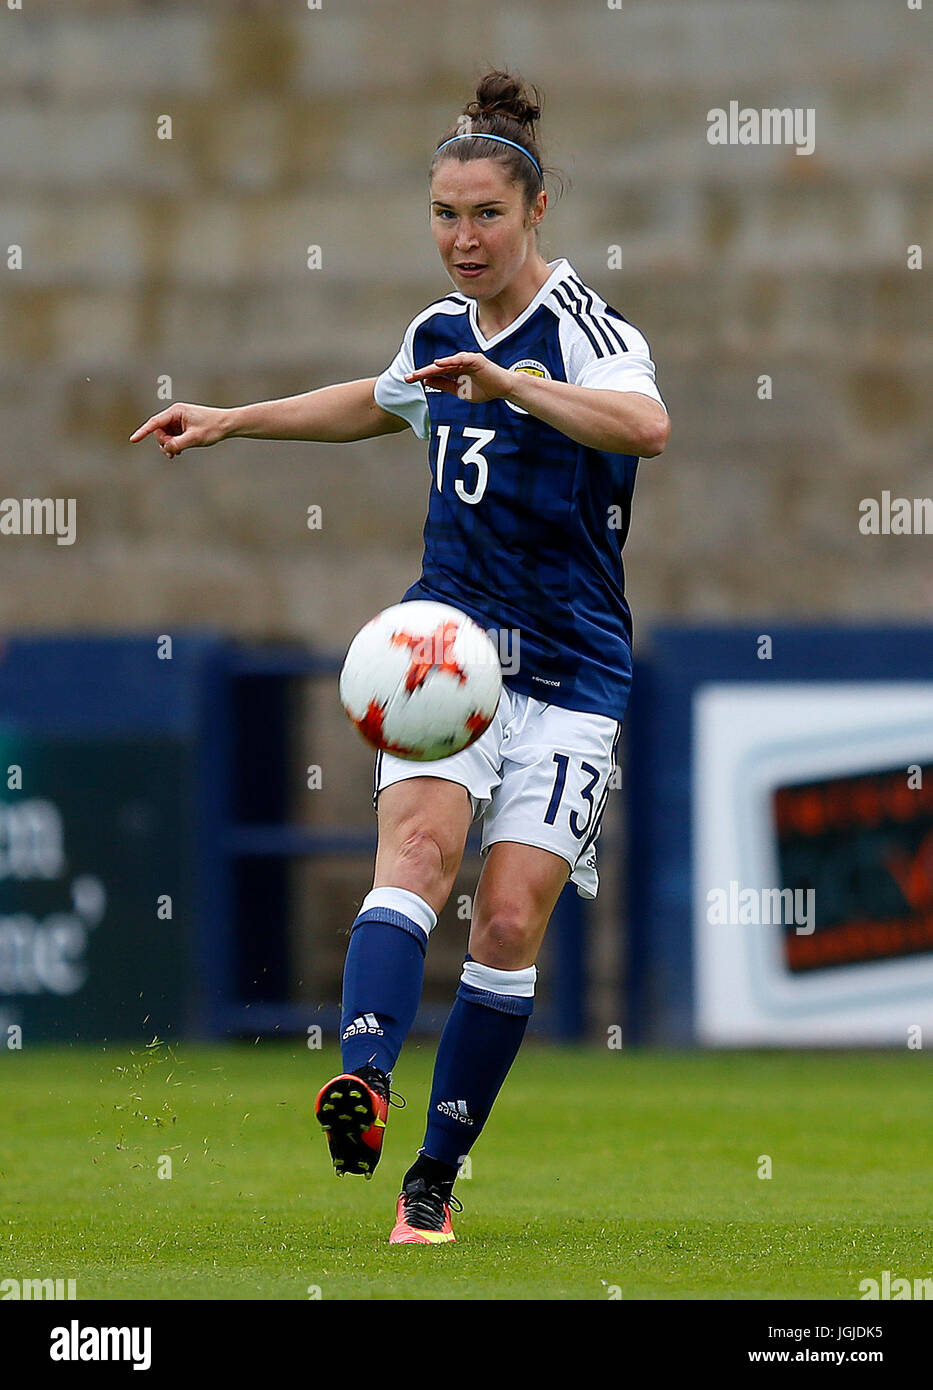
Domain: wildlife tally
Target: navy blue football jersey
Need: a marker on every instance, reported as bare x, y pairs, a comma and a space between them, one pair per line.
525, 527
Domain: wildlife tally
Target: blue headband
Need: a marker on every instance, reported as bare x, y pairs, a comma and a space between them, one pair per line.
481, 135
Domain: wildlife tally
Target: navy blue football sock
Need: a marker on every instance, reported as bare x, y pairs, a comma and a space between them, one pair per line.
479, 1043
383, 976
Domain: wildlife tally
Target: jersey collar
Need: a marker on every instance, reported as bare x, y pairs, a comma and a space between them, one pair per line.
559, 270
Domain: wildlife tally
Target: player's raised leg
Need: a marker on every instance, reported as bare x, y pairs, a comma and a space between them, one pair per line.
423, 825
518, 888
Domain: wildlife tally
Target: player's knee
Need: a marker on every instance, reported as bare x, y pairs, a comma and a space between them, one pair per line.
421, 856
505, 936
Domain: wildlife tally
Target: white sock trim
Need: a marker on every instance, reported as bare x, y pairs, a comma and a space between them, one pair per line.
511, 982
403, 900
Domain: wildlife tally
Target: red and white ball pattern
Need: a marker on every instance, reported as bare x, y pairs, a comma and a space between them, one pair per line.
421, 680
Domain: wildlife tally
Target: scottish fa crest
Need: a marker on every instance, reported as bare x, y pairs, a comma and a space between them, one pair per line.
533, 368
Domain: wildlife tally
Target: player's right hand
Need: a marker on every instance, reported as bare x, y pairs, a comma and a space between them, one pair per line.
183, 426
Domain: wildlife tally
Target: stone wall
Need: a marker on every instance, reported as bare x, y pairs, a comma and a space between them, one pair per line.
186, 258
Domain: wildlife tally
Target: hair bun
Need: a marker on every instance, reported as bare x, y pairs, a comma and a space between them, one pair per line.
503, 94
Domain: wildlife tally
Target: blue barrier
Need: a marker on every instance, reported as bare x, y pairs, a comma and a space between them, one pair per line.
136, 763
564, 1017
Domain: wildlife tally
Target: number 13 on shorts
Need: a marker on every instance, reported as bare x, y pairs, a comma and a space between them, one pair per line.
540, 775
556, 772
557, 795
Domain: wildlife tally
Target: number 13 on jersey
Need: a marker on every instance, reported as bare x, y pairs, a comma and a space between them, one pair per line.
472, 455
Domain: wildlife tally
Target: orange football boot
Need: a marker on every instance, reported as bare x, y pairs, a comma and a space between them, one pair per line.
422, 1216
352, 1110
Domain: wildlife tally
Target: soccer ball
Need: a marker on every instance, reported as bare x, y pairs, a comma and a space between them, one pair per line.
421, 680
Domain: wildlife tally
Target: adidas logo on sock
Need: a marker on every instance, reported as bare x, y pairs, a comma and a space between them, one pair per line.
363, 1023
456, 1110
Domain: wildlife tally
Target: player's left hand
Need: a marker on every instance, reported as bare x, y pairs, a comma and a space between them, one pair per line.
469, 375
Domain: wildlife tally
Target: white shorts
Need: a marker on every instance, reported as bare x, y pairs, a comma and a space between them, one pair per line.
539, 775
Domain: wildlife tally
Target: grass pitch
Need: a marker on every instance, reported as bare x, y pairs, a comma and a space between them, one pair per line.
600, 1175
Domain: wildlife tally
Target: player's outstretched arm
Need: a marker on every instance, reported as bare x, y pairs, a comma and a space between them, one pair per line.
621, 422
331, 415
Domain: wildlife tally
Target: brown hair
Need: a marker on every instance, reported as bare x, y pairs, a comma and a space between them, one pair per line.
503, 105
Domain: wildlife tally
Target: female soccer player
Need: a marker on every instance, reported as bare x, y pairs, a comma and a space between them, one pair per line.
537, 400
